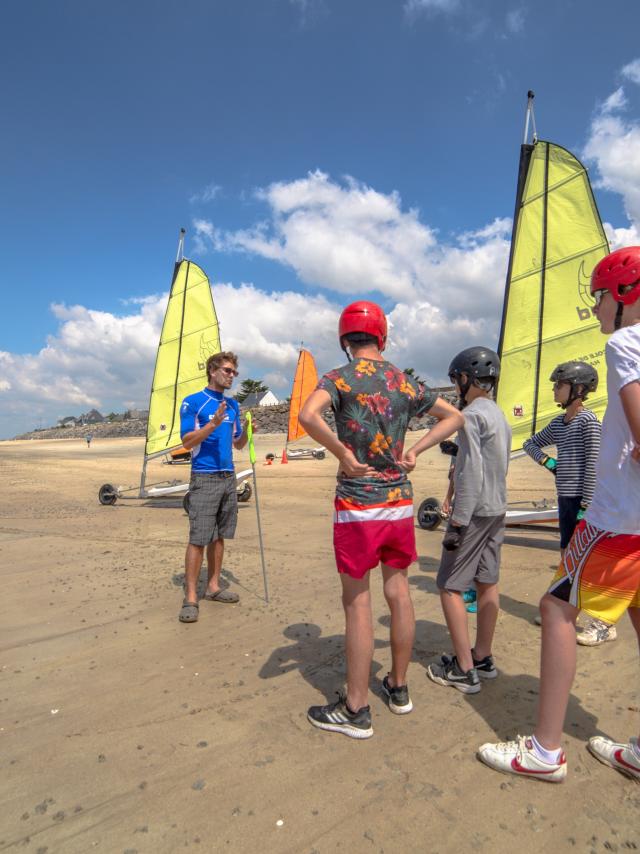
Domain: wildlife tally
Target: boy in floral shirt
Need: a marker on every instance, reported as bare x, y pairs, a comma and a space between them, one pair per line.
373, 402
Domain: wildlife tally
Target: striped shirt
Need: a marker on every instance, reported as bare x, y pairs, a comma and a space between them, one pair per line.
577, 444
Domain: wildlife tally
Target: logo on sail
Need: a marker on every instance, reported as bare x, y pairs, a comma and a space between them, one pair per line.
208, 346
518, 411
584, 292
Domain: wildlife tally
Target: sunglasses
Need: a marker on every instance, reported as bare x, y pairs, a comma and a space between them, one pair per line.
230, 372
598, 294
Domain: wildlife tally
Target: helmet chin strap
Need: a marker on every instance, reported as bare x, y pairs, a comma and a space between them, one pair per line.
618, 320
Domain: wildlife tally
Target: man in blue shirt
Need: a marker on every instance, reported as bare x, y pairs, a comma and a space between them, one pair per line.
210, 427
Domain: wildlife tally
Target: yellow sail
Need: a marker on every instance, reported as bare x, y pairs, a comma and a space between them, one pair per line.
190, 334
548, 309
304, 382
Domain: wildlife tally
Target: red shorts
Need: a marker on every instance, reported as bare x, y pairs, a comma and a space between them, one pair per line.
365, 535
600, 573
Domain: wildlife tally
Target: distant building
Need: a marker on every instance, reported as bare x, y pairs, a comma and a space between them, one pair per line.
136, 415
92, 417
262, 398
68, 421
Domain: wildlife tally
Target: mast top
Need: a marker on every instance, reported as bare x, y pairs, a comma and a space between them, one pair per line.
530, 117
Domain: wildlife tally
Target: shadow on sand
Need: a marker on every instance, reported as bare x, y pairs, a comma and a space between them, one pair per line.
319, 659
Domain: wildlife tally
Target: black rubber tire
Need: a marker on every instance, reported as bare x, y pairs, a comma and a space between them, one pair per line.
245, 494
107, 494
318, 455
270, 457
185, 502
429, 514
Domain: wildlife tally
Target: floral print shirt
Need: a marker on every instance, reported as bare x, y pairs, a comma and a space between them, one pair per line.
373, 402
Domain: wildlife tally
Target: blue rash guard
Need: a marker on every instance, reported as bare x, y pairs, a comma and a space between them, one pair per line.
216, 452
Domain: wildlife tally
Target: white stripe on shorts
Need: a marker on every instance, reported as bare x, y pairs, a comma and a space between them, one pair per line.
374, 514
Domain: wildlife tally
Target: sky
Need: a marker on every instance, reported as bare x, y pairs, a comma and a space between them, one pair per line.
316, 151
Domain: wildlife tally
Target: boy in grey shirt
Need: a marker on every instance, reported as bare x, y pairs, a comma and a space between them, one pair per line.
471, 545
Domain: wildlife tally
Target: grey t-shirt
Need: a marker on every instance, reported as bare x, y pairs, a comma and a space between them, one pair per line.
480, 475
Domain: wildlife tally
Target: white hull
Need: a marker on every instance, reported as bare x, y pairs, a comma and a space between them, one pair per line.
532, 516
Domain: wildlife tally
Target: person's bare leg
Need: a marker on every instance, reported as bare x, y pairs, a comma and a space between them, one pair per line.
192, 564
356, 601
455, 613
488, 607
557, 668
634, 616
215, 553
403, 622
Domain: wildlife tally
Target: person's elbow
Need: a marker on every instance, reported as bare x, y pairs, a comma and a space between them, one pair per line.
188, 442
305, 417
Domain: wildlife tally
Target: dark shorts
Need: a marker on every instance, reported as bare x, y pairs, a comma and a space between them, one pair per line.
477, 558
213, 507
568, 509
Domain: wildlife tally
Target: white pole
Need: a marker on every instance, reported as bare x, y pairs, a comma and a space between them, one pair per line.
264, 568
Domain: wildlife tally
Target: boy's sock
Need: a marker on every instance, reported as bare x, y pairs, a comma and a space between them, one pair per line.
549, 756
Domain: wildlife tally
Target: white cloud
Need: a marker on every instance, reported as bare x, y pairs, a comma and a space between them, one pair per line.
208, 194
616, 101
350, 239
413, 8
632, 71
515, 21
613, 146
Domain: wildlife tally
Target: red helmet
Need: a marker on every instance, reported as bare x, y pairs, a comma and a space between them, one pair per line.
617, 270
366, 317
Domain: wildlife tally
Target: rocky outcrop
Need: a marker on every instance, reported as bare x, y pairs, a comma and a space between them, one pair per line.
267, 419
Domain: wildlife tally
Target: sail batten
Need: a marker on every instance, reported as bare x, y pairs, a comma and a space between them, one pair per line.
190, 334
547, 315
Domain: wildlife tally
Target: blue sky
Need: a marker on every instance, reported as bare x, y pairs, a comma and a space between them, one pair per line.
261, 126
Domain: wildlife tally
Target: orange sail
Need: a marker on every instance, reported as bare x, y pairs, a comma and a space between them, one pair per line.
304, 382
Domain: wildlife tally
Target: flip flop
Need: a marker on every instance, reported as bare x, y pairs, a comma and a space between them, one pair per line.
226, 596
189, 612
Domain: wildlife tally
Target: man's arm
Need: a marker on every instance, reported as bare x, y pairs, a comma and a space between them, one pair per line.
315, 425
450, 420
240, 441
630, 397
196, 437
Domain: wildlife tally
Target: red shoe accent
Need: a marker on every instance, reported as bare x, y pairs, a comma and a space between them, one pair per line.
618, 757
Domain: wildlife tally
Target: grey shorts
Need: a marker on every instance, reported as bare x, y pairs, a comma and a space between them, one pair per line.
477, 558
213, 507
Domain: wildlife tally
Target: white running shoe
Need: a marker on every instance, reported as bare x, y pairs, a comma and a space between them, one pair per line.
518, 757
596, 632
622, 757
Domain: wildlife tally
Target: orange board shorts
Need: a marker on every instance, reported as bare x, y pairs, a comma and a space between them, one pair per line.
599, 573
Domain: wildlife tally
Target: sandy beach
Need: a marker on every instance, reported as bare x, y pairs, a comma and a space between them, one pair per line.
123, 730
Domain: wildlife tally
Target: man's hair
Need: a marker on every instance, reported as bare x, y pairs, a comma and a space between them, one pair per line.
360, 339
217, 361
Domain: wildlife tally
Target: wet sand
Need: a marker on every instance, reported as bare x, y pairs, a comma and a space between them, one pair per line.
123, 730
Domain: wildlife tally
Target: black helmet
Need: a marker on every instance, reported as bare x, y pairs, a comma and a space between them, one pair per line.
576, 374
477, 363
480, 364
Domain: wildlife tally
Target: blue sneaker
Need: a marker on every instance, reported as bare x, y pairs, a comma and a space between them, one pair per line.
469, 598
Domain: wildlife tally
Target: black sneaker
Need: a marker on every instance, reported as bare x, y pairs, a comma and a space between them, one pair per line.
448, 672
398, 697
336, 717
485, 667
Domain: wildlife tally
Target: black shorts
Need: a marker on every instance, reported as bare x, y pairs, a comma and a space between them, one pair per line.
213, 507
568, 509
